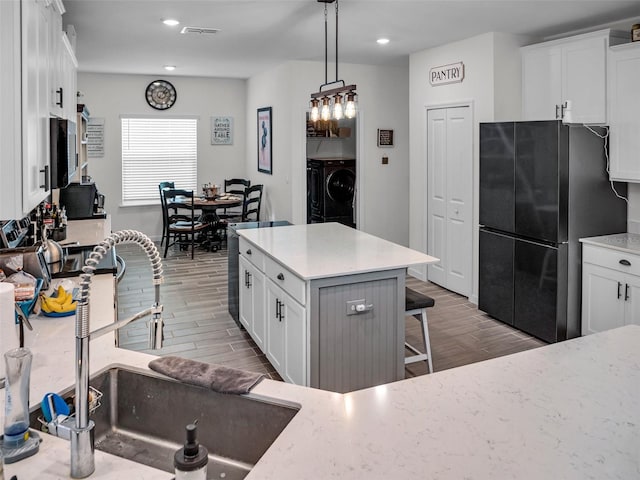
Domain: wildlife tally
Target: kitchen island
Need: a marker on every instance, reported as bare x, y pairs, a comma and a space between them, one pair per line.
326, 303
568, 410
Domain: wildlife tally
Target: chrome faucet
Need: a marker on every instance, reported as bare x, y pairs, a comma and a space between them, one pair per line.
82, 433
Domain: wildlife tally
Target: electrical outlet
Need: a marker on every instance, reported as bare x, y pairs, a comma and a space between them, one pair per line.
351, 306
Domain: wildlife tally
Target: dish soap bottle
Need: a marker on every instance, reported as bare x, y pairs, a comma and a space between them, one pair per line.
190, 462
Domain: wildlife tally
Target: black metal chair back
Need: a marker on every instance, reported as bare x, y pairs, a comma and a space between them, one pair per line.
161, 187
234, 186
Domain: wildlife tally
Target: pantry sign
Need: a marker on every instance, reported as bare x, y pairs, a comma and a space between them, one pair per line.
445, 74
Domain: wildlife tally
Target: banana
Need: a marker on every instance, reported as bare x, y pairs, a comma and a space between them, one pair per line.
52, 304
62, 296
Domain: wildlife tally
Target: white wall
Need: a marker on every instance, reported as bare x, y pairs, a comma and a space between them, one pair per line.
383, 103
109, 96
633, 213
492, 85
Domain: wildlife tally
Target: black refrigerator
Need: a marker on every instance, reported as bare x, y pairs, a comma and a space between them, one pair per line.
543, 185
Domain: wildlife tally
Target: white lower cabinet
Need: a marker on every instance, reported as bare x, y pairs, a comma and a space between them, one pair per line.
286, 334
252, 306
271, 315
610, 289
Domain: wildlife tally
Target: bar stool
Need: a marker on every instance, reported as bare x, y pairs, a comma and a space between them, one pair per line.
416, 305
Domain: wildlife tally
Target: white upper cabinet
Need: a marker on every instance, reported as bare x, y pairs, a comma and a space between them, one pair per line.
566, 79
35, 103
624, 112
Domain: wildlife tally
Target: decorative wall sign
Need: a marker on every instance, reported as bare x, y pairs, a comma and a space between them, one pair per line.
95, 137
445, 74
222, 130
264, 140
385, 138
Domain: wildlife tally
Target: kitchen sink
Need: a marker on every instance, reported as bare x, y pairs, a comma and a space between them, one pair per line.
142, 417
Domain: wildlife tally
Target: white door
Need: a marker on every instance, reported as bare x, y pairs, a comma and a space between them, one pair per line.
450, 193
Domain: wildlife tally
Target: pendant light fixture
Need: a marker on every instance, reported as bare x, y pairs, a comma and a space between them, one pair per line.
339, 101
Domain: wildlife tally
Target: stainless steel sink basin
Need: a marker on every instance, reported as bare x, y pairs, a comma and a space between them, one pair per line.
143, 415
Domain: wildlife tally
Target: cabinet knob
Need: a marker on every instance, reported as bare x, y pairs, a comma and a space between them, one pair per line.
249, 251
625, 262
280, 276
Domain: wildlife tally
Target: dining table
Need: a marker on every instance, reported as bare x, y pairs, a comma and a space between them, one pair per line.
209, 207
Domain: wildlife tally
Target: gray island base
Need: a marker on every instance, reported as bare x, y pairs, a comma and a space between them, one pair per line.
325, 303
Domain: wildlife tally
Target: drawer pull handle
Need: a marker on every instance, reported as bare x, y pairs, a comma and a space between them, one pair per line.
619, 287
249, 251
626, 292
280, 276
624, 262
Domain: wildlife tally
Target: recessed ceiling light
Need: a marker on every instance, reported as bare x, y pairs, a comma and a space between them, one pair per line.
170, 67
171, 22
382, 41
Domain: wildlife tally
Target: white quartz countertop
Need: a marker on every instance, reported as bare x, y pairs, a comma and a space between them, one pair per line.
624, 242
87, 232
323, 250
566, 411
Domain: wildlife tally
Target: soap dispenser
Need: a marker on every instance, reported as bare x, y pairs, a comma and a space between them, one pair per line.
190, 462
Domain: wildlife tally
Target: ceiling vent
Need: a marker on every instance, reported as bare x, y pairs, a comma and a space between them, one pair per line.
200, 30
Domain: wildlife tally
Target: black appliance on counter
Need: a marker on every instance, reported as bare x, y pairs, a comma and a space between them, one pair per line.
331, 188
64, 161
81, 201
233, 263
543, 185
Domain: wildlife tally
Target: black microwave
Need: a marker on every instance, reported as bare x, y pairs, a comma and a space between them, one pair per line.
64, 159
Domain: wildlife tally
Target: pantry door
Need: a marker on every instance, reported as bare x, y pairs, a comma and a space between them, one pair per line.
449, 197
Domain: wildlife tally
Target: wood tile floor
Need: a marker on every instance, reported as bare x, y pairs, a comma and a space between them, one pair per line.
198, 325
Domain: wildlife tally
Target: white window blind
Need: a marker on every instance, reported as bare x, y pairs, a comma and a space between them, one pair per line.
157, 150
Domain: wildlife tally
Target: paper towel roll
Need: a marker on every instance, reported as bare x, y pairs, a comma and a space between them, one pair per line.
9, 333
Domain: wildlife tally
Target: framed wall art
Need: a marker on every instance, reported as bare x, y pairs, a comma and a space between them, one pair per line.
385, 138
222, 130
265, 164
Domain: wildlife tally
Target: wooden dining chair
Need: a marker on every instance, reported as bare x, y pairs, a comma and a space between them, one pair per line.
252, 203
234, 186
182, 231
173, 211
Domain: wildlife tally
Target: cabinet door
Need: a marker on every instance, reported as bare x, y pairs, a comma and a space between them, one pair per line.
632, 297
35, 103
584, 79
286, 335
259, 327
246, 297
624, 105
275, 328
542, 83
252, 308
293, 317
56, 62
602, 299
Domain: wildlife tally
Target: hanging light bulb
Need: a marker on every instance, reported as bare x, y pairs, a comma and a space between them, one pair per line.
337, 107
350, 107
315, 112
326, 110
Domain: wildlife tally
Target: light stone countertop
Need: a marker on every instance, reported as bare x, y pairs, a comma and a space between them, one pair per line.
568, 410
624, 242
322, 250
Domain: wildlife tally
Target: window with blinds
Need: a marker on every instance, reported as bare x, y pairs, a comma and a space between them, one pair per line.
157, 150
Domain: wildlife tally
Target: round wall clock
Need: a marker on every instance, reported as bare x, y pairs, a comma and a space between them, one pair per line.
161, 94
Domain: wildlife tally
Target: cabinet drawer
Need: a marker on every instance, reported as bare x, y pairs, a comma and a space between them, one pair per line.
252, 253
609, 258
286, 280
